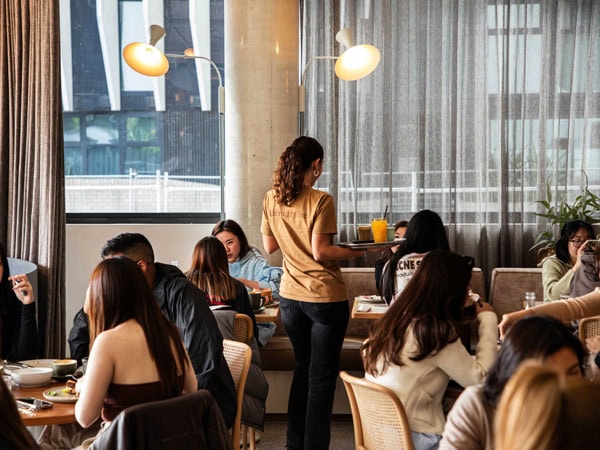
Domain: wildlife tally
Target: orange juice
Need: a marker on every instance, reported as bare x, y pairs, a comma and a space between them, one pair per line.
379, 230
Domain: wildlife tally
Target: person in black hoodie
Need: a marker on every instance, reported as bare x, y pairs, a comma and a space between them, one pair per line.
18, 328
182, 303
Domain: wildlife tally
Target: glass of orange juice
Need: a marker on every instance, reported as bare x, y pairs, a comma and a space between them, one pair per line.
379, 230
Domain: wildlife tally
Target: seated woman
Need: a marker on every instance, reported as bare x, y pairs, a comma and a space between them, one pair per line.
415, 348
540, 409
13, 434
425, 232
469, 424
399, 232
246, 263
136, 354
209, 271
17, 314
558, 269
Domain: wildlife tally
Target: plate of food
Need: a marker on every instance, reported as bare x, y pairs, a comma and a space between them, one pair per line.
66, 394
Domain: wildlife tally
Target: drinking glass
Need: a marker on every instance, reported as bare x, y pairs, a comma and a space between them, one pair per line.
379, 230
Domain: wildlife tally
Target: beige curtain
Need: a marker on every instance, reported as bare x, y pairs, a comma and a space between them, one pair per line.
475, 106
32, 222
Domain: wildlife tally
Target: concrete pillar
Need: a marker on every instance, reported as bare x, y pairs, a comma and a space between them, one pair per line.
261, 102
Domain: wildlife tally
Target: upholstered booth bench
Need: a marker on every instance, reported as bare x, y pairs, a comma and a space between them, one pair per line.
278, 357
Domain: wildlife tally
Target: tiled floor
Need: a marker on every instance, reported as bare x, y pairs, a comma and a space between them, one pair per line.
342, 433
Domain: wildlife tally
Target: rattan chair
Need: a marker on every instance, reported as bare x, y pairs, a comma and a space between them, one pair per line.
238, 356
380, 422
589, 327
243, 328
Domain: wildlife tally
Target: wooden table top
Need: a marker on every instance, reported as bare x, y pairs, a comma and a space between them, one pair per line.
376, 310
60, 413
268, 314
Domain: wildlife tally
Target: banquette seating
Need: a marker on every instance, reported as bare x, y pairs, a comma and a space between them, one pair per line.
278, 358
508, 287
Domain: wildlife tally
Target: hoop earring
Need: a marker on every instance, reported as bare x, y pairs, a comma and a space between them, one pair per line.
316, 173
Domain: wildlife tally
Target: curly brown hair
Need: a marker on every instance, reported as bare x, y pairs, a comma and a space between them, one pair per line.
293, 163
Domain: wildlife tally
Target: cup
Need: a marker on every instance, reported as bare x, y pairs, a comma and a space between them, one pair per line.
63, 367
84, 362
364, 232
379, 230
256, 300
391, 231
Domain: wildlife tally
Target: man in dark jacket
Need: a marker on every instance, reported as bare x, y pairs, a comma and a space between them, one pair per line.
186, 306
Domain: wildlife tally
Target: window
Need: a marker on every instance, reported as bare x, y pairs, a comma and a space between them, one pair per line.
139, 146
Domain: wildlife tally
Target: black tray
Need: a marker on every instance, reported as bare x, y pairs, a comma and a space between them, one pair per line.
364, 245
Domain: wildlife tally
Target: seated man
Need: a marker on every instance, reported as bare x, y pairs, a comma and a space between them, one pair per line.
186, 306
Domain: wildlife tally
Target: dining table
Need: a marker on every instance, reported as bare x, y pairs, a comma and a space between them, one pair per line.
368, 307
59, 413
267, 313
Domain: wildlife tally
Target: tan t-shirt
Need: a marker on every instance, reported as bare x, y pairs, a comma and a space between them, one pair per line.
292, 226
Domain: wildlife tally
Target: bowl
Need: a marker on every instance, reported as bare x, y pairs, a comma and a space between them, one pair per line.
30, 377
63, 367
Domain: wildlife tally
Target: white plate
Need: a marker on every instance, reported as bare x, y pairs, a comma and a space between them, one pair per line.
60, 397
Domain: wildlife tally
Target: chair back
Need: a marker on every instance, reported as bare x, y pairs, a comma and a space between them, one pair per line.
379, 418
238, 356
478, 283
589, 327
186, 422
243, 328
508, 287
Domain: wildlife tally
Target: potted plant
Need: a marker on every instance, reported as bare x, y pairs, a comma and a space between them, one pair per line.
586, 207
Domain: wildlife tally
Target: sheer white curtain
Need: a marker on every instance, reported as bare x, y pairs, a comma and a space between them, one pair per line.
475, 106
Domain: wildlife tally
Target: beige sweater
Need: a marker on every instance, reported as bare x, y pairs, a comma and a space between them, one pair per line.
420, 385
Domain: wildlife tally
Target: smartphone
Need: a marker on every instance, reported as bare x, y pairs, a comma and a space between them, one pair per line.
592, 246
34, 403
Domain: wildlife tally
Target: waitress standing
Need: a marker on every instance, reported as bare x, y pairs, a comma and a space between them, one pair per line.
301, 222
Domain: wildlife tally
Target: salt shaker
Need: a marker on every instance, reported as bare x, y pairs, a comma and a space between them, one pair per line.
529, 300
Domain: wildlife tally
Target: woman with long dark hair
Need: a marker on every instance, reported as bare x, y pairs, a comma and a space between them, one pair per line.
209, 271
558, 269
301, 222
17, 314
547, 340
415, 348
425, 232
246, 263
136, 354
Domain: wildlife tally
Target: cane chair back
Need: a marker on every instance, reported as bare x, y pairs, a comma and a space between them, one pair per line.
243, 328
379, 418
589, 327
238, 356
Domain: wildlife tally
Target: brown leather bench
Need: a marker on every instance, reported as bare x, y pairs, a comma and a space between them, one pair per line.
278, 353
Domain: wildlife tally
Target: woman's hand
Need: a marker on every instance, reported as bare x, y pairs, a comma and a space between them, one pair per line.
481, 306
509, 319
580, 251
22, 288
593, 344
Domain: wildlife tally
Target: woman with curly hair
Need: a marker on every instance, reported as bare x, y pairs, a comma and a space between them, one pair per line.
301, 222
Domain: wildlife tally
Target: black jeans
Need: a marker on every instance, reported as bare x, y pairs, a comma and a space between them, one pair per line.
316, 331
